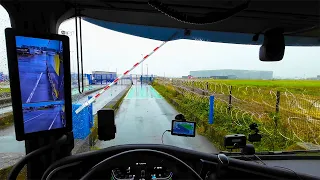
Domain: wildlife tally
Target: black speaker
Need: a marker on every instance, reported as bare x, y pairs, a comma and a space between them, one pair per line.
106, 125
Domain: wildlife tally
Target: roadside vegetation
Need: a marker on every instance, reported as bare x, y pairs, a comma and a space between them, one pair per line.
296, 120
4, 90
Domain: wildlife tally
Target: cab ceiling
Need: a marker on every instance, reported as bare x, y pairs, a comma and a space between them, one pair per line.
297, 17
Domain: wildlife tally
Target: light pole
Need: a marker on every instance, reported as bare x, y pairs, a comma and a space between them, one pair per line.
142, 66
147, 70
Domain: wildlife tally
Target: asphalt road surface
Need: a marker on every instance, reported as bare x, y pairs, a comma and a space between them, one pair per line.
34, 79
8, 143
42, 120
143, 117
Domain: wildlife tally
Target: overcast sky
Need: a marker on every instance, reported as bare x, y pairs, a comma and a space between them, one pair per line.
107, 50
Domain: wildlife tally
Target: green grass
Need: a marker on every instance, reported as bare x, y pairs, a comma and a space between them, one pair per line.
5, 172
6, 120
252, 101
195, 108
4, 90
310, 87
271, 83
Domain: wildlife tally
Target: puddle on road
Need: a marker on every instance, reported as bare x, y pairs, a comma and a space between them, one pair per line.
143, 92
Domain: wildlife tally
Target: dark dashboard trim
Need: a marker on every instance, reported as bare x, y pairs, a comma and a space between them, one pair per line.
184, 154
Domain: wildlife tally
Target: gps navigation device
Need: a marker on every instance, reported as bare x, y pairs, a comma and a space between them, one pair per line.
39, 72
183, 128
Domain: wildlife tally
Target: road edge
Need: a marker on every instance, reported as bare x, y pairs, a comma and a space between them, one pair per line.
6, 119
88, 143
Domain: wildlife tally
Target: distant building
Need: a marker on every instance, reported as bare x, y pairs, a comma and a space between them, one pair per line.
100, 77
318, 77
219, 77
232, 74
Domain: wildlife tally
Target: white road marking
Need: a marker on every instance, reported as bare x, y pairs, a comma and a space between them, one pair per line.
34, 89
53, 120
32, 118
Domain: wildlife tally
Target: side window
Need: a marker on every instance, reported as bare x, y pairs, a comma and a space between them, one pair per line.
11, 150
4, 80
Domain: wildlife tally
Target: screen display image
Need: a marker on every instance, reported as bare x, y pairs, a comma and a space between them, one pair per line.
183, 128
40, 64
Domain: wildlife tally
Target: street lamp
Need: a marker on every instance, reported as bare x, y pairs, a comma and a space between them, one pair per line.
147, 70
142, 66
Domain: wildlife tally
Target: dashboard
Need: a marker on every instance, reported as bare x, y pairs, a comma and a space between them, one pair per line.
145, 165
141, 171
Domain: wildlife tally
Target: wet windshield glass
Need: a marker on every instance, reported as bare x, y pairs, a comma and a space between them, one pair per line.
282, 98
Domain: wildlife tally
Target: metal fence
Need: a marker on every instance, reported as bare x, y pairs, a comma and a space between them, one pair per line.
294, 116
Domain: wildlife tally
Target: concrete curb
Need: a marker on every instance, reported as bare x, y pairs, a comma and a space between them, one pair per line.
6, 100
6, 119
81, 146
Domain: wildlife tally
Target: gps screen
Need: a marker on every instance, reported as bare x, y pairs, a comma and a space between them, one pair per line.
183, 128
40, 64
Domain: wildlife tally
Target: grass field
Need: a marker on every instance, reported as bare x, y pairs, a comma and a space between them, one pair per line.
298, 118
4, 90
308, 87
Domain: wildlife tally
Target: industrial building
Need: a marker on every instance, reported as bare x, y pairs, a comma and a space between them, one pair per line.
102, 77
232, 74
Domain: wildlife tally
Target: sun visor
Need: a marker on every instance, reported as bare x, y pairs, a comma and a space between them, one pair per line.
163, 33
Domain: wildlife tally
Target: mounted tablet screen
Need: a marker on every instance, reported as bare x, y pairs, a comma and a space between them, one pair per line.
41, 100
40, 63
183, 128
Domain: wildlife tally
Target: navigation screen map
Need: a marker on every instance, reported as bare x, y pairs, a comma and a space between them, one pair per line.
183, 128
40, 63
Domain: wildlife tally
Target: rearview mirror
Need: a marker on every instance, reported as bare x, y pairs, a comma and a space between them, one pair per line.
273, 45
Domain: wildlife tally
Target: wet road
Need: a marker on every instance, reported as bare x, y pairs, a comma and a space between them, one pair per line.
6, 109
43, 120
8, 142
143, 117
74, 92
34, 79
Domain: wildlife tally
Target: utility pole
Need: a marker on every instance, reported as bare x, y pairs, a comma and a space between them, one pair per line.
142, 66
147, 70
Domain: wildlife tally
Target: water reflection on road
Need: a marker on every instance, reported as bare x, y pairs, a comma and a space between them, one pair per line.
143, 117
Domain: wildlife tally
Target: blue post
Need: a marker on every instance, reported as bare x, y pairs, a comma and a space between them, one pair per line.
211, 109
80, 122
90, 113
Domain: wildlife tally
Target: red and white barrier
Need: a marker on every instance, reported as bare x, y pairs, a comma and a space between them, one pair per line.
116, 80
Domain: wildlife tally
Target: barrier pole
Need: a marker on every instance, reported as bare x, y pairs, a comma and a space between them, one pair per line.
93, 99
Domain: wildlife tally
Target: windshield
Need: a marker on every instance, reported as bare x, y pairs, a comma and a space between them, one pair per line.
282, 98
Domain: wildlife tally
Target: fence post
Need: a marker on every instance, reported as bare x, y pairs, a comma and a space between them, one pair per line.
230, 99
278, 102
192, 85
211, 109
207, 84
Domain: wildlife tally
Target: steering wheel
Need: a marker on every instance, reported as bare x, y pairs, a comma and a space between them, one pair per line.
104, 164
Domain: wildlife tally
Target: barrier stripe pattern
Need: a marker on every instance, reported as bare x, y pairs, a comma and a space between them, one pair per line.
93, 99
